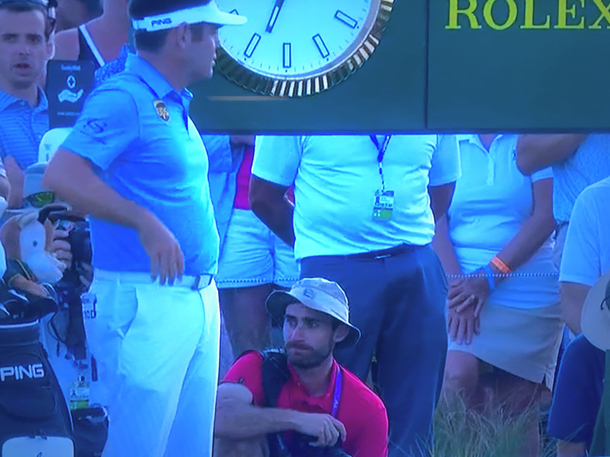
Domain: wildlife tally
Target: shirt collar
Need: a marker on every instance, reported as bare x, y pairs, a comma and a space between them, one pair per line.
474, 139
155, 80
330, 390
7, 100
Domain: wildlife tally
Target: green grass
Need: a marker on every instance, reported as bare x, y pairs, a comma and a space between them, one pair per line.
460, 432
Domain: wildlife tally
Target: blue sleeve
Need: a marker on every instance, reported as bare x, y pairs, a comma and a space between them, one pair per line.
107, 126
220, 154
578, 393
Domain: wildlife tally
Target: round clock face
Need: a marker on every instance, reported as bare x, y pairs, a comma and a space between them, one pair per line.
299, 47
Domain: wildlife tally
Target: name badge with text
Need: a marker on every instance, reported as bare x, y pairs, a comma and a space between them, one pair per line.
384, 205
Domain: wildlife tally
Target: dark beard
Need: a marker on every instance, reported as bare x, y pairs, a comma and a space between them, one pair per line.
313, 360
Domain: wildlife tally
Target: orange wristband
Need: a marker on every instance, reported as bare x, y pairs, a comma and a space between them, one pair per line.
500, 265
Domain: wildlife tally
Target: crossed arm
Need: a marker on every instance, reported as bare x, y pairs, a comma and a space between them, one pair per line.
535, 152
238, 419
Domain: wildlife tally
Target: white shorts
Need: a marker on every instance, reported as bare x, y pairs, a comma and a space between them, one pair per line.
253, 255
157, 354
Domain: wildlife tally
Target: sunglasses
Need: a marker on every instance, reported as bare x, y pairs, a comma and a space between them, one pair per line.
40, 199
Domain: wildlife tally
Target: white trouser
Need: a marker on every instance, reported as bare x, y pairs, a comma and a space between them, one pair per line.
157, 353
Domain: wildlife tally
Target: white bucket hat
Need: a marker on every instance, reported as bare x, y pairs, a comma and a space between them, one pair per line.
317, 294
595, 320
208, 12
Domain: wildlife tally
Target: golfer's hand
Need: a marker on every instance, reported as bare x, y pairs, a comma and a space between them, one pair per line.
166, 258
324, 427
61, 247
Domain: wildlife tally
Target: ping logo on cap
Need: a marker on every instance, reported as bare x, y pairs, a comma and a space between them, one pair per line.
164, 21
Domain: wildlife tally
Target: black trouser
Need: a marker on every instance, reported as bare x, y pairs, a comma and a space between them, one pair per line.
398, 303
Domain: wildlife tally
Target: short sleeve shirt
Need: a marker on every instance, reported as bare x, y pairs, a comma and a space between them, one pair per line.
588, 165
586, 254
361, 411
336, 179
492, 200
22, 128
136, 131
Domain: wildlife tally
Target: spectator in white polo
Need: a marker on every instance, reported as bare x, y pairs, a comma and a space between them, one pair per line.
586, 258
253, 260
364, 217
497, 230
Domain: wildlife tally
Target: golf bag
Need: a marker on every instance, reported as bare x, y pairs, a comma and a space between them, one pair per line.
34, 416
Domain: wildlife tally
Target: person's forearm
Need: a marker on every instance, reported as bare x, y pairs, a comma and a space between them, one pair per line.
278, 216
573, 297
440, 199
444, 248
531, 236
15, 177
571, 315
237, 420
535, 152
72, 178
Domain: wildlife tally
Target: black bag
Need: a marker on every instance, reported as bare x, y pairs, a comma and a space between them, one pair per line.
34, 415
90, 431
275, 374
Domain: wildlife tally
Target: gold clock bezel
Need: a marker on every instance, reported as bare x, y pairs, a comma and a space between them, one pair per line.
302, 87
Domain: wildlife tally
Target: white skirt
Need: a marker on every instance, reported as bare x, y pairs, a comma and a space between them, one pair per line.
523, 342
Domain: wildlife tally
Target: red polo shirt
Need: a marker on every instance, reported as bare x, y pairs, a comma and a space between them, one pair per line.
360, 410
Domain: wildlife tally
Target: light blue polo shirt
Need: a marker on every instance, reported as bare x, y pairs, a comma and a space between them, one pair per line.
588, 165
492, 200
22, 128
156, 161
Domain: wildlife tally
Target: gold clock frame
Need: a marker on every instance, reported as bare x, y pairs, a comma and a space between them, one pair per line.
302, 87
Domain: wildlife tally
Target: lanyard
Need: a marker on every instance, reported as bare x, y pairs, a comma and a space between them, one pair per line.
337, 395
382, 148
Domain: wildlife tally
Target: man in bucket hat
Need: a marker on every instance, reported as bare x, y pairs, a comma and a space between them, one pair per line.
320, 399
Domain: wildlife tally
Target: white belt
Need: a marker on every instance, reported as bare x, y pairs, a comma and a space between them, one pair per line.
198, 282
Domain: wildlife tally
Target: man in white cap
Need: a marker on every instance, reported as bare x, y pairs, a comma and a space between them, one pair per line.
136, 164
319, 398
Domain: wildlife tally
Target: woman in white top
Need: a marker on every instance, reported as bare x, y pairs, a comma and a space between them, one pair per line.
503, 309
99, 40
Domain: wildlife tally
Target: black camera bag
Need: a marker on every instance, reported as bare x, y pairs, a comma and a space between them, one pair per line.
34, 416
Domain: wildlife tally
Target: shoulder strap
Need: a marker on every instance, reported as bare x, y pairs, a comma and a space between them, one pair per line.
275, 374
94, 50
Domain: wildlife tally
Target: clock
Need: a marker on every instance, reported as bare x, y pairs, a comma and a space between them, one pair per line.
297, 48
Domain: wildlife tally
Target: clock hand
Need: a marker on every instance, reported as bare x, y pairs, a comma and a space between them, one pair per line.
274, 15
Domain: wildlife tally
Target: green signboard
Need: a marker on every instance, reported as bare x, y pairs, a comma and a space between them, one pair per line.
519, 65
440, 65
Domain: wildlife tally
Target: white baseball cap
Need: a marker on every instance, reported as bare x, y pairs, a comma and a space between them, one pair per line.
208, 12
595, 319
50, 143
